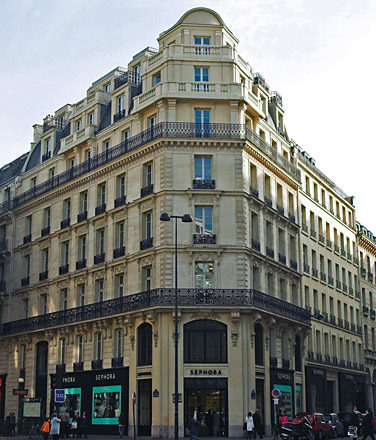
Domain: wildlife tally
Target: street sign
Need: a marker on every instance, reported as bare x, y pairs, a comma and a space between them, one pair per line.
59, 395
134, 397
253, 394
276, 393
155, 393
275, 401
17, 392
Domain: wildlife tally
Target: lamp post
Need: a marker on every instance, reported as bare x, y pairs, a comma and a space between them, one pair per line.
186, 218
21, 386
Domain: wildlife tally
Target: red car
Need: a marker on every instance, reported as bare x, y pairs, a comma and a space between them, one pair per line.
321, 427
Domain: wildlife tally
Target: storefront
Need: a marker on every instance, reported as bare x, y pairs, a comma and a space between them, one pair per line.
351, 392
316, 389
102, 394
283, 380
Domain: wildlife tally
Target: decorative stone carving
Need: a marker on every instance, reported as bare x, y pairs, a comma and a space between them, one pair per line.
235, 317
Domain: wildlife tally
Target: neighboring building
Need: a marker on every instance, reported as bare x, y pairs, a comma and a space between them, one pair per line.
186, 128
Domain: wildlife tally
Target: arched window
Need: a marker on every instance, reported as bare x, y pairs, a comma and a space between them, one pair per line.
118, 343
298, 356
205, 341
98, 346
144, 346
259, 345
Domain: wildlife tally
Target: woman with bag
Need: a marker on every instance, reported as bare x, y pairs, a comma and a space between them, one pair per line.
249, 425
74, 425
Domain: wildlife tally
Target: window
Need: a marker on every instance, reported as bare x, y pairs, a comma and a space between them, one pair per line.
259, 345
118, 342
25, 302
47, 146
102, 194
91, 118
202, 41
205, 341
51, 173
255, 226
47, 217
147, 225
106, 146
65, 253
87, 154
203, 220
204, 275
156, 78
144, 344
201, 75
125, 136
33, 182
119, 286
80, 348
98, 346
152, 121
100, 241
29, 224
43, 304
27, 265
137, 71
120, 103
120, 186
70, 164
44, 260
66, 209
202, 122
83, 201
81, 295
119, 235
78, 125
203, 168
63, 299
148, 174
253, 176
146, 278
62, 351
107, 87
82, 247
267, 192
99, 290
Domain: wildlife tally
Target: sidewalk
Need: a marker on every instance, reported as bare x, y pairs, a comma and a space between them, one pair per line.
111, 437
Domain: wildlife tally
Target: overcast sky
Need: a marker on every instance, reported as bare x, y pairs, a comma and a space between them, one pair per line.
318, 54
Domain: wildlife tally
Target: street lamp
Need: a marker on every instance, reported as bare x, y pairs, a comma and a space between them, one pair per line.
21, 386
186, 218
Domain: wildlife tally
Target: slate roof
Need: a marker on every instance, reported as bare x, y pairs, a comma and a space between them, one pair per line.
12, 169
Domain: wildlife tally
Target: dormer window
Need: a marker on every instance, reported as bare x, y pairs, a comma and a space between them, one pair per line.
120, 103
78, 125
47, 146
107, 87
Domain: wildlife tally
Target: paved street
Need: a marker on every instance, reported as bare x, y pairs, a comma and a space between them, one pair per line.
110, 437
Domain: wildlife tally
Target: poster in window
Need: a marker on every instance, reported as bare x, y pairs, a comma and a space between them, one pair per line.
285, 403
72, 403
106, 405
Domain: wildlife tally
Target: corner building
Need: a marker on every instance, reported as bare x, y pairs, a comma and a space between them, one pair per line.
88, 304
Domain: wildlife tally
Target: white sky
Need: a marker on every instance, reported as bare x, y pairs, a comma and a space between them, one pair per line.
318, 54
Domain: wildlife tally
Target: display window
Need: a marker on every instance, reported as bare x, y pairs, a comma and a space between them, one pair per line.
285, 400
72, 402
106, 405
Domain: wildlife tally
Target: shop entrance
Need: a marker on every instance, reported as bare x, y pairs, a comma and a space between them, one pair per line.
210, 397
144, 407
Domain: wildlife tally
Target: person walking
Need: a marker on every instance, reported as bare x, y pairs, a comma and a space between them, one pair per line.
193, 427
45, 429
84, 424
55, 426
122, 422
209, 422
75, 425
64, 417
249, 425
257, 423
367, 425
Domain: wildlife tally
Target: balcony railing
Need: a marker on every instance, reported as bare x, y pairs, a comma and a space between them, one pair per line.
370, 277
280, 209
63, 269
304, 228
333, 319
340, 322
329, 244
357, 294
365, 310
3, 286
117, 362
338, 284
282, 258
285, 363
330, 280
46, 156
306, 267
268, 201
343, 253
97, 364
120, 115
363, 272
127, 78
344, 287
27, 239
119, 252
255, 245
25, 281
336, 249
43, 275
273, 362
82, 216
162, 130
78, 366
321, 239
81, 264
313, 233
203, 184
373, 313
323, 277
163, 297
146, 190
146, 244
254, 192
100, 209
315, 272
99, 258
56, 122
269, 252
294, 264
65, 223
291, 217
204, 238
3, 244
45, 231
120, 201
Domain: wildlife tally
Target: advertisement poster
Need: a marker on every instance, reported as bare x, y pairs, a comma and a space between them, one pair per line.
106, 405
72, 402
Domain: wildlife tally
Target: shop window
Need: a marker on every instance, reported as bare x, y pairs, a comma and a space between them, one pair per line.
205, 341
259, 345
144, 346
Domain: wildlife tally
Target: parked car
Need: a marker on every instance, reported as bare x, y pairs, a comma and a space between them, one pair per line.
337, 425
321, 427
345, 418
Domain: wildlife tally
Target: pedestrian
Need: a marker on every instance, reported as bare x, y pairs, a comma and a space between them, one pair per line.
13, 424
285, 418
84, 424
74, 425
64, 425
193, 427
45, 429
354, 419
55, 426
209, 422
367, 425
8, 426
249, 425
121, 422
257, 423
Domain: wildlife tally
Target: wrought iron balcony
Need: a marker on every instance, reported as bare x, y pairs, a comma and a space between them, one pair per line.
292, 217
359, 329
60, 368
99, 258
117, 362
163, 297
321, 239
356, 261
120, 201
313, 233
357, 294
370, 277
334, 360
254, 192
27, 239
340, 322
25, 281
306, 267
119, 115
65, 223
43, 275
255, 245
311, 356
280, 209
78, 366
63, 269
100, 209
319, 357
204, 238
363, 272
203, 184
327, 359
46, 156
268, 202
344, 287
353, 327
349, 256
81, 216
347, 325
323, 277
127, 78
273, 362
146, 244
3, 244
338, 284
147, 190
343, 253
336, 249
97, 364
3, 286
333, 319
351, 291
282, 258
294, 264
54, 123
329, 244
81, 264
119, 252
45, 231
315, 272
330, 280
365, 310
373, 313
285, 363
269, 252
